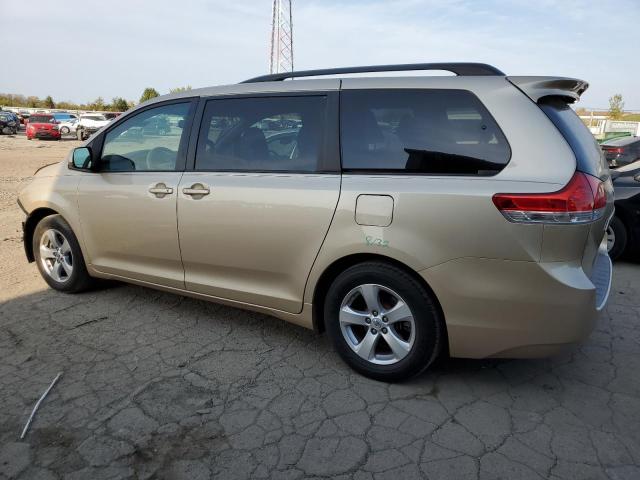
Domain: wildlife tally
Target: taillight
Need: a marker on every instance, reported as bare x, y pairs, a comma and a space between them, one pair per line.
613, 150
582, 200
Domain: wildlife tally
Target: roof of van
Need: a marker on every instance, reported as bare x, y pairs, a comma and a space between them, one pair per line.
466, 75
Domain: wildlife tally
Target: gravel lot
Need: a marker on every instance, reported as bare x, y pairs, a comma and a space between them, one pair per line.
165, 387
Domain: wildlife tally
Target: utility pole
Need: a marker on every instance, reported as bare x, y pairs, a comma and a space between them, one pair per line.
281, 37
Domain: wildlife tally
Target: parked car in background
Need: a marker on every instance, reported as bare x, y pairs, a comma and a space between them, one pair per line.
8, 123
68, 126
63, 116
42, 125
24, 115
16, 118
90, 123
623, 231
404, 216
621, 151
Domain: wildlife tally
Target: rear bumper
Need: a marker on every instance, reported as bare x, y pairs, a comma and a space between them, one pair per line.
518, 309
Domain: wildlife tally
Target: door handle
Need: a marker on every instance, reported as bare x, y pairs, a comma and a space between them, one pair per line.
160, 190
197, 190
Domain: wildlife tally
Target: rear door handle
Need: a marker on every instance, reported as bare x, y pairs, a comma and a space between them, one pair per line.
160, 190
197, 190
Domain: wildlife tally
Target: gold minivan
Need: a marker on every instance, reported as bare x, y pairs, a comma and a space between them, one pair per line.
404, 216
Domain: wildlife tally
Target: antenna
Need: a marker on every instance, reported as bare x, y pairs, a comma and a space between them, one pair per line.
281, 37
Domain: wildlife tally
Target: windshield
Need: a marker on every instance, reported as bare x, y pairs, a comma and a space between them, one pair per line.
588, 154
40, 119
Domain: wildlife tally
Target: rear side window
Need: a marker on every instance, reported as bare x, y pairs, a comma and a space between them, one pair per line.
263, 134
440, 132
588, 154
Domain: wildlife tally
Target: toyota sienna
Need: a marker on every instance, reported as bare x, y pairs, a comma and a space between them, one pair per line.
404, 216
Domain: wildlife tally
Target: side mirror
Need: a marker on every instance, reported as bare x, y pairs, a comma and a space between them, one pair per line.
180, 123
81, 159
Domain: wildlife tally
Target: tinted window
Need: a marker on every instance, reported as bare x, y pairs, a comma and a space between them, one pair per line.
147, 141
262, 134
588, 154
420, 131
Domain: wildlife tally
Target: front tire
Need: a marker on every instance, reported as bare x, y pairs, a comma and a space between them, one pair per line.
616, 238
64, 131
58, 256
383, 322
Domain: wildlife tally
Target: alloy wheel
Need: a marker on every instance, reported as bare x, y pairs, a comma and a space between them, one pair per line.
377, 324
55, 255
611, 238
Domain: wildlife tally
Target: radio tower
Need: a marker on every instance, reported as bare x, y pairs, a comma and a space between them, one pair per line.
281, 37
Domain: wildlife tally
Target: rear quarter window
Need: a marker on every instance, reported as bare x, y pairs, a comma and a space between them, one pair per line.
589, 156
436, 131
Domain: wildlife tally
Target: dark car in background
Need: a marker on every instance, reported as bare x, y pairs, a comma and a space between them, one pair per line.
8, 123
42, 125
621, 151
623, 232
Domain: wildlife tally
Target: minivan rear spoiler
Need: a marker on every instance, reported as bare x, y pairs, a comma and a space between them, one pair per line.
538, 87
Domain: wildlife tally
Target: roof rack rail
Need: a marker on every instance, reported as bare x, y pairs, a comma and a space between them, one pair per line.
459, 68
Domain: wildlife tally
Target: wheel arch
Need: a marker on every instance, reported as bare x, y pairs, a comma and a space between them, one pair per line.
331, 272
30, 226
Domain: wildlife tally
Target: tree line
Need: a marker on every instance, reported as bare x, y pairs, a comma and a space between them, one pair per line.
117, 104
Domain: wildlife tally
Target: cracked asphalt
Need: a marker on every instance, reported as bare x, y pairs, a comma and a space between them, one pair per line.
163, 387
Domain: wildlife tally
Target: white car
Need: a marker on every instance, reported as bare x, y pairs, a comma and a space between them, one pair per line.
89, 124
68, 126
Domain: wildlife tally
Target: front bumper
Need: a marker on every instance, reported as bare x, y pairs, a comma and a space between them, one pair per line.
46, 134
518, 309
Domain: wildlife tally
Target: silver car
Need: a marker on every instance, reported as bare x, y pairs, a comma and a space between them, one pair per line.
406, 216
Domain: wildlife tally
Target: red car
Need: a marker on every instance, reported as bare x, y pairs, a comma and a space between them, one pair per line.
42, 125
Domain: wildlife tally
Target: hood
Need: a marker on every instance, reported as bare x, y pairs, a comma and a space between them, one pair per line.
52, 170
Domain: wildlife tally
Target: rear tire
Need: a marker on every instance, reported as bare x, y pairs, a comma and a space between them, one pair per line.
405, 341
58, 256
616, 238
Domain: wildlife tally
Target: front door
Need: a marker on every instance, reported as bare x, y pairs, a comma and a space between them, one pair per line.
254, 211
128, 209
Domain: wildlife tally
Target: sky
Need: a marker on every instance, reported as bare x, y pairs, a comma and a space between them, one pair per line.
79, 51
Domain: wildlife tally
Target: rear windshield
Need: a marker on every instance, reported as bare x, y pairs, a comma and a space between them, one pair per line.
620, 142
40, 119
439, 132
588, 154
